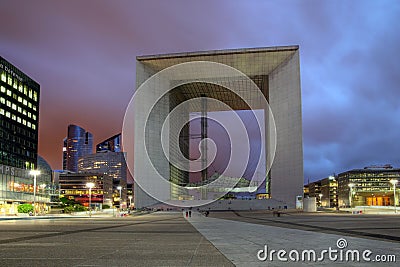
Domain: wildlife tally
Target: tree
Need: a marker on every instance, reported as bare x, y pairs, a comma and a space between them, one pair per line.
25, 208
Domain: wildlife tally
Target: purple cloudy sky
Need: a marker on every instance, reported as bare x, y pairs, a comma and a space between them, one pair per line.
83, 55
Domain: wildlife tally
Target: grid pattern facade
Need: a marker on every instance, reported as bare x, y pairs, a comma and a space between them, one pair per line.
19, 117
372, 187
275, 70
73, 186
112, 164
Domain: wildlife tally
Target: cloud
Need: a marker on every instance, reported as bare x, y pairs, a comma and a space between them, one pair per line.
83, 54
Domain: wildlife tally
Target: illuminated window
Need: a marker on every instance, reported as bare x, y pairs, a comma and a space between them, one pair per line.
24, 122
9, 80
33, 126
25, 102
29, 115
20, 99
2, 100
34, 107
3, 89
24, 112
34, 116
8, 114
14, 107
30, 104
35, 96
3, 76
19, 119
15, 85
13, 117
1, 111
9, 93
29, 124
25, 90
30, 93
20, 87
8, 103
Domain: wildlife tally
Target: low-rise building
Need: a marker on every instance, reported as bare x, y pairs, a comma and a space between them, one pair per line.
370, 186
74, 186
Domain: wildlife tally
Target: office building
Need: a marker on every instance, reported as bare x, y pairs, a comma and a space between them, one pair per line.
111, 164
77, 144
19, 113
202, 77
19, 123
112, 144
325, 192
73, 186
370, 186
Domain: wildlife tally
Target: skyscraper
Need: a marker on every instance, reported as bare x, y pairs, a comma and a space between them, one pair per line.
19, 113
109, 160
78, 143
19, 118
112, 144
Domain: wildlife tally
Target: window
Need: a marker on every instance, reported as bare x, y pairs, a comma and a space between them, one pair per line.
9, 93
3, 89
3, 76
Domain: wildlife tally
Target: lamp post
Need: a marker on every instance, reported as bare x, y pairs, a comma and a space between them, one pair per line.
394, 183
130, 201
120, 195
351, 185
320, 200
35, 173
90, 185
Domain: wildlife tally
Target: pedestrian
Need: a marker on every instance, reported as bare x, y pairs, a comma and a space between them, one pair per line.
186, 214
190, 213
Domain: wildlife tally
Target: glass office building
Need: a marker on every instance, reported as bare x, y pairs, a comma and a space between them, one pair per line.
368, 187
19, 113
19, 117
112, 144
78, 143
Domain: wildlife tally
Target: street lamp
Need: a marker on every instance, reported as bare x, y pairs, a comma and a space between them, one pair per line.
130, 201
351, 185
394, 183
90, 185
320, 200
120, 195
35, 173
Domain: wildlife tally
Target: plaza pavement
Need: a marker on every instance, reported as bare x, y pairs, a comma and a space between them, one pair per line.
168, 239
159, 239
240, 242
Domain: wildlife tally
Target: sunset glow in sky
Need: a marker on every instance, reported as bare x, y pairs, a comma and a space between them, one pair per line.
82, 53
